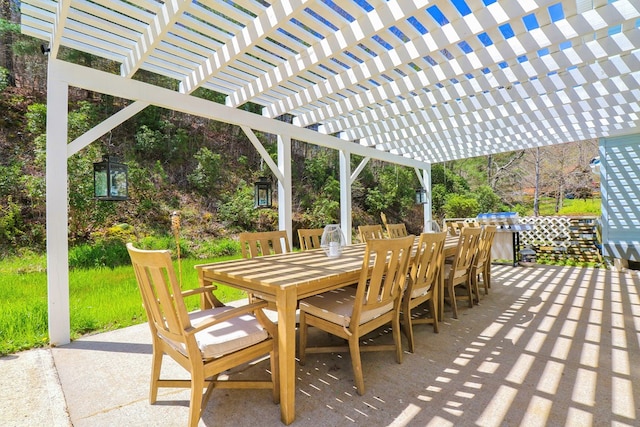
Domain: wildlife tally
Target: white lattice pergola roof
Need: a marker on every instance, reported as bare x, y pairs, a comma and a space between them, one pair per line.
429, 81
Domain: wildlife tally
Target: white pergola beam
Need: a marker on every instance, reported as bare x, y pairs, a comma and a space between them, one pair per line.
111, 84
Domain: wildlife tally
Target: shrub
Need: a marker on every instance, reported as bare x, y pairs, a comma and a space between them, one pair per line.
458, 206
219, 248
105, 253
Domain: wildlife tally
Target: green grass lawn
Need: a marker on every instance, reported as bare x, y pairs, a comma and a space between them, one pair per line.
99, 300
570, 207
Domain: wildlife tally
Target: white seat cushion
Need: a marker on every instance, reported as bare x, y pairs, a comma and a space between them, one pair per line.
418, 292
458, 273
226, 337
337, 306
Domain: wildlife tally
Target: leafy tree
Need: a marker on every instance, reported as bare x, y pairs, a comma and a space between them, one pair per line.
318, 168
488, 200
207, 172
238, 211
452, 182
460, 206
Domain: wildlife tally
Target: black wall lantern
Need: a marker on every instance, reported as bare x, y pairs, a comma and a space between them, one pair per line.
110, 179
421, 196
263, 192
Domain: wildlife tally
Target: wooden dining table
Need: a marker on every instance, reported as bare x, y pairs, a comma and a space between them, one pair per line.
283, 280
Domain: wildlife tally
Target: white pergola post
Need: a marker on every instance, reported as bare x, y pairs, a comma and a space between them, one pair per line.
345, 194
425, 182
426, 177
284, 186
57, 209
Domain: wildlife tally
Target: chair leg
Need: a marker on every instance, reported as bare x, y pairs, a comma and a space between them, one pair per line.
275, 375
302, 339
474, 285
486, 275
434, 313
408, 326
195, 406
469, 284
156, 365
452, 297
356, 363
395, 326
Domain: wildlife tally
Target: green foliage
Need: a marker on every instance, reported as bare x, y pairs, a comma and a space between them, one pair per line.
238, 211
581, 207
325, 211
11, 224
452, 182
438, 199
318, 169
37, 118
4, 78
459, 206
149, 141
104, 253
81, 119
395, 190
8, 27
9, 178
207, 172
376, 200
570, 207
220, 248
488, 200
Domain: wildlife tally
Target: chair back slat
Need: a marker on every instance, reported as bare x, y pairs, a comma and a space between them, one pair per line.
264, 243
310, 238
160, 291
427, 262
368, 232
396, 230
383, 275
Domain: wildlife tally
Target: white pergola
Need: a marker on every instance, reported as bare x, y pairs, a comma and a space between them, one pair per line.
409, 82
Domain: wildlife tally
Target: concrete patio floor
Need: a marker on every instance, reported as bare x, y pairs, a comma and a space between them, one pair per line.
548, 346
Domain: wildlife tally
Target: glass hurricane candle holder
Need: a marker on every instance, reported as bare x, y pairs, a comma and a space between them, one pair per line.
332, 240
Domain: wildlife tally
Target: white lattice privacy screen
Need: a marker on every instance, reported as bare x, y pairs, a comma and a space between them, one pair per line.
620, 158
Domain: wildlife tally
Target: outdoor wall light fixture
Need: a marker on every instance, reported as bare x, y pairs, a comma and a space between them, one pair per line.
110, 179
263, 191
421, 196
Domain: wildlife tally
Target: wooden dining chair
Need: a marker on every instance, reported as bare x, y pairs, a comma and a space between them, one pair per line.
458, 272
204, 342
453, 228
396, 230
368, 232
482, 262
352, 312
423, 283
310, 238
254, 244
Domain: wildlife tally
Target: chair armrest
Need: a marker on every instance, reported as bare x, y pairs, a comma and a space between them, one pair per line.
229, 314
208, 296
199, 290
